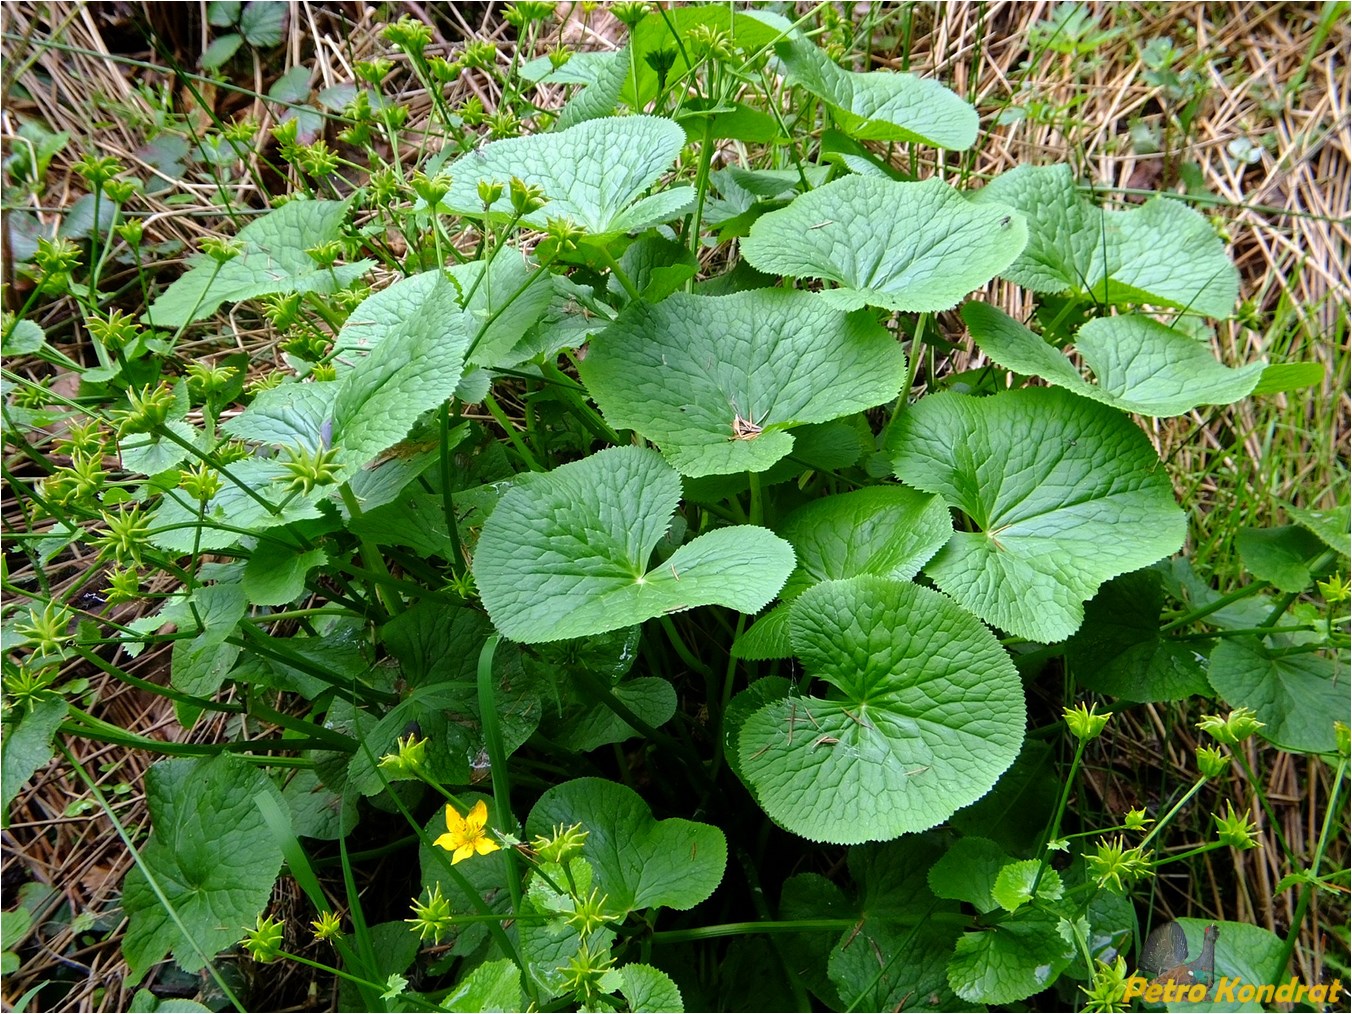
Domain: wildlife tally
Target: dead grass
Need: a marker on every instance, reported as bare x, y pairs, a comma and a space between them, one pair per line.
1287, 216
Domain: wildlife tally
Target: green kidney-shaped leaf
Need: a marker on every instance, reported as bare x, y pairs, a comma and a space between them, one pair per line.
592, 174
638, 861
1334, 527
566, 554
928, 715
715, 381
273, 260
1138, 365
1120, 651
1063, 493
1281, 556
1018, 957
1297, 697
414, 368
211, 853
890, 531
881, 105
1162, 253
968, 872
903, 246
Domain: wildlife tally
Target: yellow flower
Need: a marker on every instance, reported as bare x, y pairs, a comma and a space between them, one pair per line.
465, 835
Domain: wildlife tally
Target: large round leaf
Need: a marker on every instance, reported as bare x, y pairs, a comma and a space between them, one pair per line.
1063, 494
885, 530
904, 246
1162, 252
592, 174
1139, 365
881, 105
565, 554
928, 713
715, 380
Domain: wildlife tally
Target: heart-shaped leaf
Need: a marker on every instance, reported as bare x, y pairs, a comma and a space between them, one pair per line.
1119, 651
1281, 556
638, 862
1138, 365
592, 174
1297, 697
565, 554
1162, 253
1062, 494
903, 246
928, 712
715, 381
211, 853
273, 259
881, 105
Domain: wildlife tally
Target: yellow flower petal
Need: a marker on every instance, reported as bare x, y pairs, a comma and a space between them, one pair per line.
485, 845
477, 818
463, 852
455, 823
446, 841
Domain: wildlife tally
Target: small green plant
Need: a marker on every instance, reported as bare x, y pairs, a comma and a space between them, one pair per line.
602, 573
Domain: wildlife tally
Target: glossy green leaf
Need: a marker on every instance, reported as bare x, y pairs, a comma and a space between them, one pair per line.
968, 872
413, 368
669, 32
1138, 365
275, 573
1162, 253
639, 862
288, 415
26, 747
650, 698
492, 986
1280, 556
1020, 956
1019, 882
1120, 652
198, 665
181, 527
881, 105
927, 713
1062, 494
890, 531
211, 853
903, 246
566, 554
23, 337
1280, 377
649, 989
895, 956
503, 305
263, 23
716, 381
273, 260
593, 174
1298, 697
1334, 527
